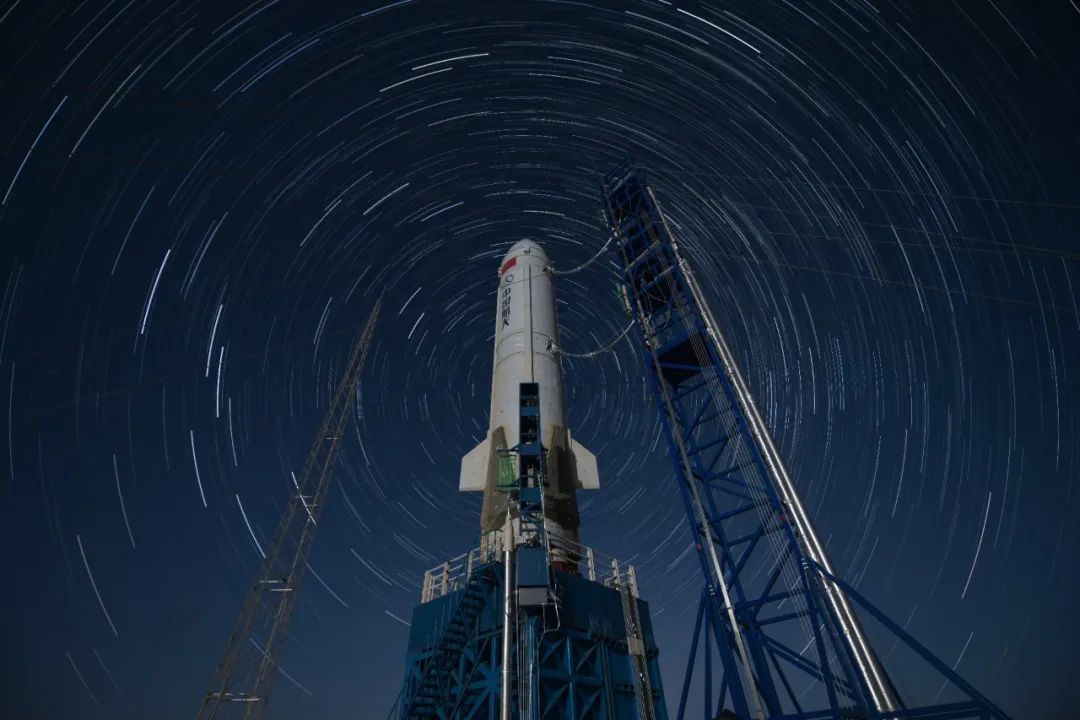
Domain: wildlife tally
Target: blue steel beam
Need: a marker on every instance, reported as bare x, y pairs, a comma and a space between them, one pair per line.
690, 658
950, 674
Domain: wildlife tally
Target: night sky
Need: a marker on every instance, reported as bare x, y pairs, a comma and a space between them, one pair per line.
201, 201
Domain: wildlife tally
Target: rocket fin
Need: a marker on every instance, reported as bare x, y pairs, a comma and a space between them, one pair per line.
586, 476
475, 467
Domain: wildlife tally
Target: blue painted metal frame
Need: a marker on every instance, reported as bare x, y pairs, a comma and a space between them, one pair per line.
452, 670
582, 667
777, 592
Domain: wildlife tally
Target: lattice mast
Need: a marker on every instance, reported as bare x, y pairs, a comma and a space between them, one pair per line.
244, 678
767, 577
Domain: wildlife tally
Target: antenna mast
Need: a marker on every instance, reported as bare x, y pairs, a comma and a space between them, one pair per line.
244, 678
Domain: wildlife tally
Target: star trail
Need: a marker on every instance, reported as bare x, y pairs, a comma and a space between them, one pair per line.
202, 202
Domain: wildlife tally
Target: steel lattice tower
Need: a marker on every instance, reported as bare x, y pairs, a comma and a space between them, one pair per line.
768, 582
241, 686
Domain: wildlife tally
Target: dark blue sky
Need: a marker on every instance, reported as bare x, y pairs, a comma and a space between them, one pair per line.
199, 201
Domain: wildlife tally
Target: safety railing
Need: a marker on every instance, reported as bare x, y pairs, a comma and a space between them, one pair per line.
454, 574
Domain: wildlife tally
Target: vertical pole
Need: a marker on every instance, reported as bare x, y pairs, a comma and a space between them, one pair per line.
708, 663
722, 695
508, 617
445, 577
614, 573
692, 656
530, 359
633, 580
592, 564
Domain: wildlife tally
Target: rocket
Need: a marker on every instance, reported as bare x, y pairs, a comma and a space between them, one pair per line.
527, 351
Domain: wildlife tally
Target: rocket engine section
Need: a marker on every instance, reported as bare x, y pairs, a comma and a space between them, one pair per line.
526, 342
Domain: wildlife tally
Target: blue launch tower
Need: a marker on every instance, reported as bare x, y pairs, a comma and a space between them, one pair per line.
786, 627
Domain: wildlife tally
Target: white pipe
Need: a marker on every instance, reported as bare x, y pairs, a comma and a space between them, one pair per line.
508, 617
868, 664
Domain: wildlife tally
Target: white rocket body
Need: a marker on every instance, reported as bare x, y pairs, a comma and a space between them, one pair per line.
526, 342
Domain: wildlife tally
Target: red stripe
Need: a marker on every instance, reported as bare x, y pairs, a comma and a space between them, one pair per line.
507, 265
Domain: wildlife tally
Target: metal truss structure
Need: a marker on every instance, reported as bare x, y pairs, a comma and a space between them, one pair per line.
783, 624
242, 683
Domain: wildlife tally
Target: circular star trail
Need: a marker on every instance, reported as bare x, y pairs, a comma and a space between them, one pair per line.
201, 202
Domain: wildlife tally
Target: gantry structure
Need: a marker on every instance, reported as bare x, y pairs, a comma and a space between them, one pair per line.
781, 620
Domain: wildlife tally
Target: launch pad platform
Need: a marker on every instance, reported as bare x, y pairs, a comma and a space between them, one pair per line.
574, 655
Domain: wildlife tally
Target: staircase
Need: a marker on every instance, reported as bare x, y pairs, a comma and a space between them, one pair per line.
436, 672
635, 646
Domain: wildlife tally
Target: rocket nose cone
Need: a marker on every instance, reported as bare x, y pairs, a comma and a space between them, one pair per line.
525, 247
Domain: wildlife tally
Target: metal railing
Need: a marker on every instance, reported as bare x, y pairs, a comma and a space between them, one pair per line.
454, 574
